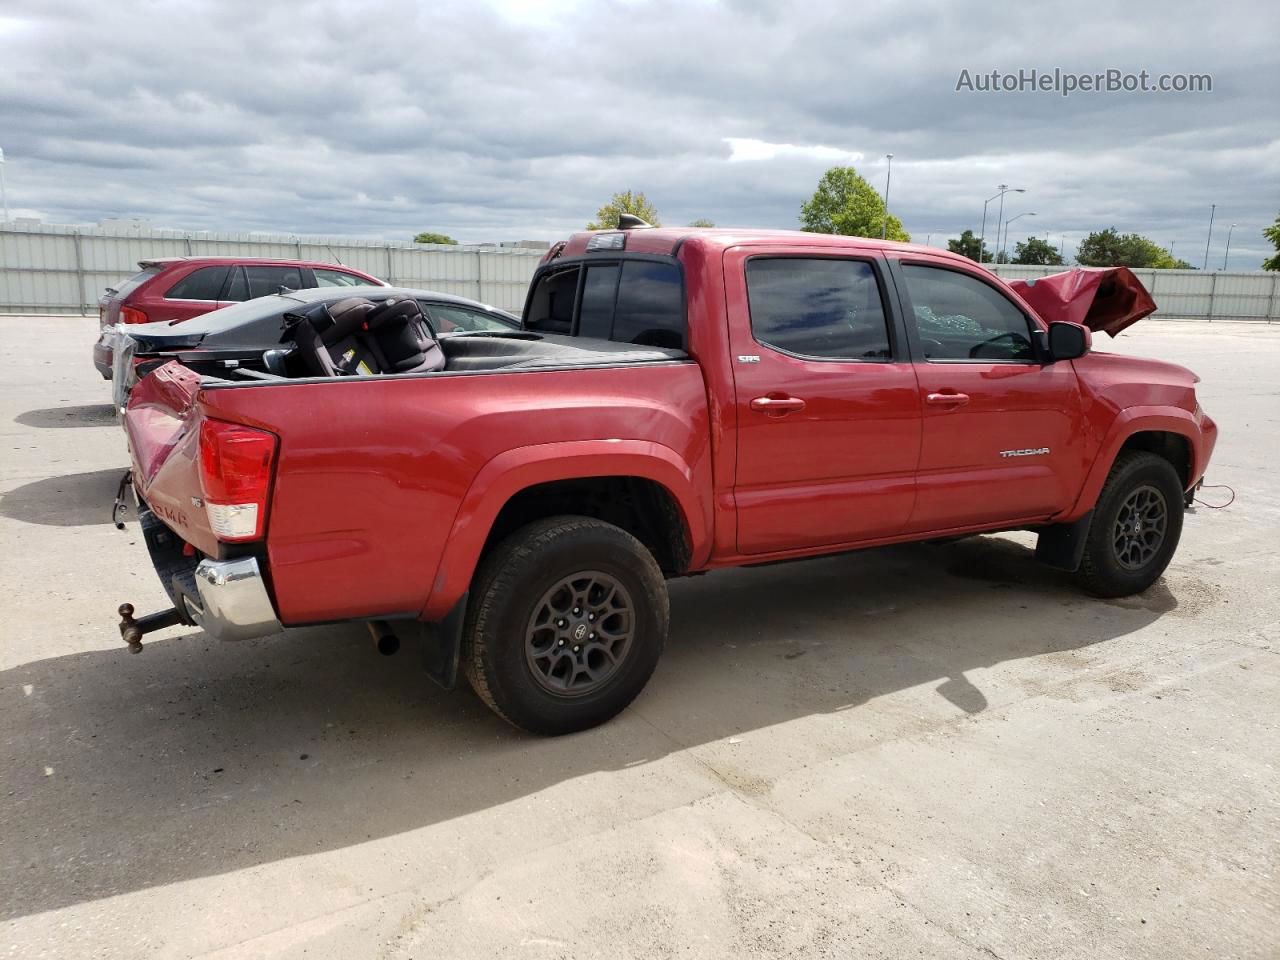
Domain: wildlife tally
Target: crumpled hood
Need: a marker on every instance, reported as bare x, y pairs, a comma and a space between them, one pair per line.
1104, 299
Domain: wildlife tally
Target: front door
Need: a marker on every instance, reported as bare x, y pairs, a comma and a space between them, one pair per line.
827, 409
1001, 439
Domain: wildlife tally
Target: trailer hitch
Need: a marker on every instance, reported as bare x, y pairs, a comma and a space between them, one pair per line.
132, 630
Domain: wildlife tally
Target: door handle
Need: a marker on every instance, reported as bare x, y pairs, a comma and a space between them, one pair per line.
777, 404
947, 399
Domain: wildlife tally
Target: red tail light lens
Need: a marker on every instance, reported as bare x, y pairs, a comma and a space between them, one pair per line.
133, 315
235, 475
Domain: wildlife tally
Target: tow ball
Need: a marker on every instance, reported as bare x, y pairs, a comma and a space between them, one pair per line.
132, 630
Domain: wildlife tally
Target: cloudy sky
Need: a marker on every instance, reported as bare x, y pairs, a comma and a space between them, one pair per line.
515, 120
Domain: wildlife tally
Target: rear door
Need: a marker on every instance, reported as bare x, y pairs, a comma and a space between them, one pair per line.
827, 408
1001, 439
252, 280
193, 293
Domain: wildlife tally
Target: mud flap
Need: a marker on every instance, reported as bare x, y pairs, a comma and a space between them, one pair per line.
442, 645
1062, 545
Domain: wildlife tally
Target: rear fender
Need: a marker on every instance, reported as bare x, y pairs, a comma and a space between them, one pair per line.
514, 470
1138, 420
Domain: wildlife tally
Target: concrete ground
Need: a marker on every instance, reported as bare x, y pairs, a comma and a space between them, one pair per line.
921, 751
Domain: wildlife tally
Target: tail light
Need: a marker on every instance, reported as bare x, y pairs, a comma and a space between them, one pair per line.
133, 315
235, 476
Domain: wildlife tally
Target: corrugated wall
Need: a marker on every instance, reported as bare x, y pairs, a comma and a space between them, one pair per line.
59, 269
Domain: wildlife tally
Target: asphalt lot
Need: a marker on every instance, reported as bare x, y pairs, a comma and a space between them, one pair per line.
919, 751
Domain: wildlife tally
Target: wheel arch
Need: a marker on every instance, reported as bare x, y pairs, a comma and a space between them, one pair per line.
1168, 432
585, 477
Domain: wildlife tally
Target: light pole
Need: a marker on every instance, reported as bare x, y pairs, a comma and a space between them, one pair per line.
1207, 240
982, 240
884, 224
1006, 228
3, 195
1228, 253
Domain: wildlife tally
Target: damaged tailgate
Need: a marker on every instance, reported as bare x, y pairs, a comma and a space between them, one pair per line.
161, 422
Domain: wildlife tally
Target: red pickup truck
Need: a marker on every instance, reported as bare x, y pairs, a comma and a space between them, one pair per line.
678, 401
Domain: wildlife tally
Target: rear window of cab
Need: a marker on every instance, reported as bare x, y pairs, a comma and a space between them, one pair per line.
637, 301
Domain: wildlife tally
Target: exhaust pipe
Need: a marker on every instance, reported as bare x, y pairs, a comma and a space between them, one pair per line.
384, 637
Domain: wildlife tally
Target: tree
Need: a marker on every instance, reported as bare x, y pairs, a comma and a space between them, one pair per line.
970, 246
428, 237
634, 203
845, 203
1107, 248
1038, 252
702, 222
1272, 233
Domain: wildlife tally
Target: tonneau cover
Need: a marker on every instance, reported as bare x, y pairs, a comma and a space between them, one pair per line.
1101, 298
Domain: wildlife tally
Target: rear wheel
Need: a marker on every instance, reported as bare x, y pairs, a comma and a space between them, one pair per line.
1136, 526
566, 622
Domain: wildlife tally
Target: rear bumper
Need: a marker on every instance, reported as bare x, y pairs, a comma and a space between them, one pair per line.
103, 352
233, 600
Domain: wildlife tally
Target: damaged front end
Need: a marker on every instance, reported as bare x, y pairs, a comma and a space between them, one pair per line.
1103, 299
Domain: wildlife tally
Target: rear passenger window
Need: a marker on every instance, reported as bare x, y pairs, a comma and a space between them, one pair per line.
650, 308
958, 317
265, 280
238, 288
818, 307
205, 284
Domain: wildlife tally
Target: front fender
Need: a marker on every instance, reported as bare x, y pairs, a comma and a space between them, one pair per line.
514, 470
1198, 429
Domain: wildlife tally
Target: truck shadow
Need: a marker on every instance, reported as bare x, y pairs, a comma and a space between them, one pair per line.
199, 758
74, 500
83, 415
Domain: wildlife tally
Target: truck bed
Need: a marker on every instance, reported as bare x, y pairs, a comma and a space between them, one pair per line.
372, 471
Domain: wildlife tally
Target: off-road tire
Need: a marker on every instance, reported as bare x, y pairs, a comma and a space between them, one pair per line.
508, 590
1101, 571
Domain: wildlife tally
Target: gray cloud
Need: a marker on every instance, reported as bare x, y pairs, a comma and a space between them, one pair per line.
509, 121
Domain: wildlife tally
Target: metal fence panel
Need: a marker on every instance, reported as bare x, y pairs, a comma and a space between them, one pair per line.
50, 268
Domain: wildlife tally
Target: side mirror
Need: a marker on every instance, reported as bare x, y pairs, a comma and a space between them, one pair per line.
1067, 341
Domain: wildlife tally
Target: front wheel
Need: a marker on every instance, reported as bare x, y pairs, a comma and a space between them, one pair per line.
1136, 526
567, 619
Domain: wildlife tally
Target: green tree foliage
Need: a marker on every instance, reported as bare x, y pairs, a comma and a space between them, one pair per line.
428, 237
627, 202
702, 222
1038, 252
1107, 248
1272, 233
970, 246
845, 203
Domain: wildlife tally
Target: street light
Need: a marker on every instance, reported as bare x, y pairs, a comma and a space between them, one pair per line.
1006, 229
1228, 253
1212, 207
884, 224
982, 240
